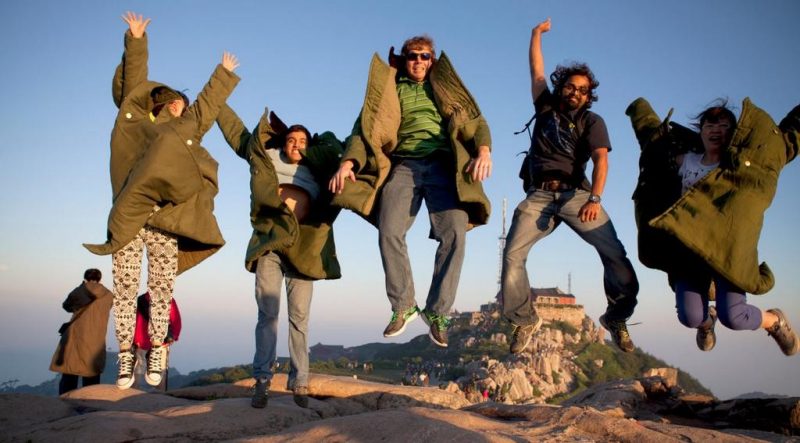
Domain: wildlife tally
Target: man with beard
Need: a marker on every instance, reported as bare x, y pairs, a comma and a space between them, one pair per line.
566, 135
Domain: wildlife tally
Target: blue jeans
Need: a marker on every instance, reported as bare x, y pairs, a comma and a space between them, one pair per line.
410, 182
535, 218
270, 271
691, 302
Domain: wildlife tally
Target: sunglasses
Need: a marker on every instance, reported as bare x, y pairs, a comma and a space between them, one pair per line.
414, 56
569, 88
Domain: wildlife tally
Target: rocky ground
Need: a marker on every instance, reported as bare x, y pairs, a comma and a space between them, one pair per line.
343, 409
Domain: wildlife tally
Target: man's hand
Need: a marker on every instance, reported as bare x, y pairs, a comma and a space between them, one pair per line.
336, 185
542, 27
229, 61
481, 166
589, 211
136, 24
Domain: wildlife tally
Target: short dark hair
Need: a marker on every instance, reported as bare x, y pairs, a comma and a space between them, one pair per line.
296, 128
716, 111
92, 275
562, 73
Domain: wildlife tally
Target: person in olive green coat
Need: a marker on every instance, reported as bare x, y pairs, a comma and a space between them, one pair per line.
163, 187
292, 237
420, 136
700, 205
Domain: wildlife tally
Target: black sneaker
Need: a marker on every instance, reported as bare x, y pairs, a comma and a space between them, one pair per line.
156, 357
400, 319
438, 327
522, 335
706, 338
619, 333
261, 394
783, 334
126, 361
300, 396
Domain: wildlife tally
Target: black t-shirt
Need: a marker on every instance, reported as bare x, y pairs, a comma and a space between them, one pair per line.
563, 142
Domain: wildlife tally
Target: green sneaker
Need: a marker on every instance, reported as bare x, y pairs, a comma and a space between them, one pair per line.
400, 319
439, 325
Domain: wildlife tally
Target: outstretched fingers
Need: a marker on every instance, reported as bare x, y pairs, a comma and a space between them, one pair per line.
229, 61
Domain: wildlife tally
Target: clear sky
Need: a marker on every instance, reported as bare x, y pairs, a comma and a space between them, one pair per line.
308, 61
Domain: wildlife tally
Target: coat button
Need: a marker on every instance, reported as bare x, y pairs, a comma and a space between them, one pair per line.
747, 162
189, 142
128, 115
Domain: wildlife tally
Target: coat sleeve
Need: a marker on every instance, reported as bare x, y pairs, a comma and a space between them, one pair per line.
132, 70
234, 131
790, 126
208, 103
356, 150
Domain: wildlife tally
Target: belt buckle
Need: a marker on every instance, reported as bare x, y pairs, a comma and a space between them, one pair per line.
551, 185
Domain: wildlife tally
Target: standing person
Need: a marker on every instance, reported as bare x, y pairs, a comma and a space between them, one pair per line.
81, 352
292, 237
420, 136
163, 186
725, 180
566, 135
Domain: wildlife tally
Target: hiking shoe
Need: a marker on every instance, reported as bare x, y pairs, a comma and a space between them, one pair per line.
261, 394
619, 333
126, 360
300, 396
155, 364
400, 319
706, 338
522, 335
438, 327
783, 334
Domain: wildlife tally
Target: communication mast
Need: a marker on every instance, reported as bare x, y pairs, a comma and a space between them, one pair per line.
501, 244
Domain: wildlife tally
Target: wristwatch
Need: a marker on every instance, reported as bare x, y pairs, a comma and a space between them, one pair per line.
594, 198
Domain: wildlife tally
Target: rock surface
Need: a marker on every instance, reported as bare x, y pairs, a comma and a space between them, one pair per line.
344, 409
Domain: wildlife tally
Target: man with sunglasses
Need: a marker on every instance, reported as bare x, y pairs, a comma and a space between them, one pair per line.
420, 136
566, 135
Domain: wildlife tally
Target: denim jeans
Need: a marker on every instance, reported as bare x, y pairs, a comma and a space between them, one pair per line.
410, 182
535, 218
270, 272
691, 302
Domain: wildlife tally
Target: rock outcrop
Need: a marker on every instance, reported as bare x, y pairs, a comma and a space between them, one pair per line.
345, 409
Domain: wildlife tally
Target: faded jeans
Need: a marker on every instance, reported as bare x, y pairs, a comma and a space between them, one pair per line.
410, 182
270, 272
535, 218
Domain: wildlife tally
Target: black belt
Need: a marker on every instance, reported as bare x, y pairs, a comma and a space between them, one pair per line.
554, 185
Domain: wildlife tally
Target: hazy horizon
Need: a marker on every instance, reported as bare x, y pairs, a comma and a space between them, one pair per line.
308, 62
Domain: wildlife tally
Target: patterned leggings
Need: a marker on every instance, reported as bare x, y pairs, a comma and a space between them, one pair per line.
162, 267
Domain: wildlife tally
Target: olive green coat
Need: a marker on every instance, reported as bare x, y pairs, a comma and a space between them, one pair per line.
308, 246
82, 348
374, 138
720, 218
161, 163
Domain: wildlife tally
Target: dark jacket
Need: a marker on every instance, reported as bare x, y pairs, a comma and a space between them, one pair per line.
82, 348
308, 246
374, 138
719, 219
161, 163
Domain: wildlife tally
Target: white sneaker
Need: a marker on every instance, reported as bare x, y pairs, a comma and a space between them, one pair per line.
126, 361
155, 363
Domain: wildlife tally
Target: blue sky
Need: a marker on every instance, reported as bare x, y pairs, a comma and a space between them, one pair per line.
307, 60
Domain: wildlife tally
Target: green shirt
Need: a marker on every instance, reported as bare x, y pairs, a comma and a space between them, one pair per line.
422, 129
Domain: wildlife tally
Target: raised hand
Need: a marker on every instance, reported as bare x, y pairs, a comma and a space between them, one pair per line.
542, 27
229, 61
136, 24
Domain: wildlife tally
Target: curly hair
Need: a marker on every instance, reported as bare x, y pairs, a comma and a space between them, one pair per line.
562, 73
716, 111
418, 42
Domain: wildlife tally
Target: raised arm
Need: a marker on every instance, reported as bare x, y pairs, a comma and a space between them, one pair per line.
234, 130
214, 94
538, 80
132, 70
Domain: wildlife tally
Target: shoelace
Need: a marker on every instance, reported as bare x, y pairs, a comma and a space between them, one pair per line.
154, 362
440, 321
125, 362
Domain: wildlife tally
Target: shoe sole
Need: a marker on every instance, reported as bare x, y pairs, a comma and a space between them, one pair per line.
536, 327
410, 318
127, 384
152, 381
436, 342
